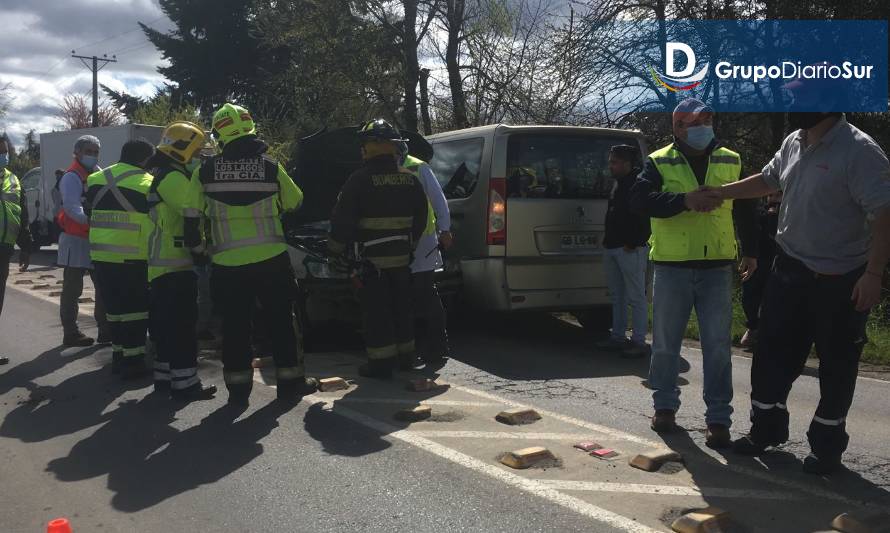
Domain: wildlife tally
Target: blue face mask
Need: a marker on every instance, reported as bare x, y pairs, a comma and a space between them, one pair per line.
89, 162
4, 160
699, 137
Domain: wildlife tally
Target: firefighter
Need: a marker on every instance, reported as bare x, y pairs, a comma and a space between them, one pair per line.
13, 223
174, 306
243, 192
119, 229
381, 215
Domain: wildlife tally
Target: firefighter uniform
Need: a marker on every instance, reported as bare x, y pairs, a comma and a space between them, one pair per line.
174, 307
380, 215
13, 211
119, 230
242, 192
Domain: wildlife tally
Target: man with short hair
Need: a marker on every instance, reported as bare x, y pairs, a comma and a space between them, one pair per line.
13, 223
693, 249
74, 244
626, 257
833, 247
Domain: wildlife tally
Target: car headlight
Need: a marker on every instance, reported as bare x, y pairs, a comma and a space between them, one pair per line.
318, 269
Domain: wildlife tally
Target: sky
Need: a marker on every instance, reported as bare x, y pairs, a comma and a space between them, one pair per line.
36, 45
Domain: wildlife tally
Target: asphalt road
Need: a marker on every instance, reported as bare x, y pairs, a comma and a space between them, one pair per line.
76, 442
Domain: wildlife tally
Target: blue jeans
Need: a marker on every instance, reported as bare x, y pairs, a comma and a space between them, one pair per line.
626, 276
676, 291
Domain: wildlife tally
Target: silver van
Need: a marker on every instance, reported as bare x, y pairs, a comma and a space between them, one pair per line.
528, 207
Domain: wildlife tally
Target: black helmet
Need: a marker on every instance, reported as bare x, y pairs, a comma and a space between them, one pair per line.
380, 130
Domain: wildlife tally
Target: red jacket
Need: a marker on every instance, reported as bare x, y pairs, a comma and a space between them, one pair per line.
68, 224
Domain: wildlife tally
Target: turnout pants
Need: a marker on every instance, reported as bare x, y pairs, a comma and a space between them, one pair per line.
387, 316
5, 256
236, 291
801, 308
432, 337
72, 289
174, 311
124, 287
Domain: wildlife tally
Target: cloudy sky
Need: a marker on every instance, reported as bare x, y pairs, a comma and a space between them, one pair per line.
36, 46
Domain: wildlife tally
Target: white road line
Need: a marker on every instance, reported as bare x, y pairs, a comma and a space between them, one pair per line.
405, 401
667, 490
433, 434
527, 485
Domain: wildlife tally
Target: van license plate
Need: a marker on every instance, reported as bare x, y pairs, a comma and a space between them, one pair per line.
578, 241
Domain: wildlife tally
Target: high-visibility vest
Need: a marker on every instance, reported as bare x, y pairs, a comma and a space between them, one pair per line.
119, 223
68, 224
166, 243
243, 200
412, 165
11, 191
691, 235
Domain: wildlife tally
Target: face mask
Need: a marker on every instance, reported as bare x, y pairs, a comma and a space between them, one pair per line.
89, 161
699, 137
4, 160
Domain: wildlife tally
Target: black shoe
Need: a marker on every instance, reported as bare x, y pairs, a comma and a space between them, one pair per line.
196, 392
103, 339
366, 371
821, 466
412, 363
4, 360
748, 446
78, 340
162, 386
436, 363
238, 399
717, 437
294, 390
664, 421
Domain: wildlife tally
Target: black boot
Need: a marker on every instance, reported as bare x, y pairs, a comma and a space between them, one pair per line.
162, 386
821, 466
239, 395
196, 392
377, 369
748, 446
78, 340
292, 391
133, 369
411, 363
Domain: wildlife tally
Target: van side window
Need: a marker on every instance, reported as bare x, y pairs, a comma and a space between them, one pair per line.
457, 165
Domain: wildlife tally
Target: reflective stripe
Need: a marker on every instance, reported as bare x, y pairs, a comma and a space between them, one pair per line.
289, 373
385, 240
180, 384
384, 352
670, 161
406, 348
117, 348
128, 317
386, 223
241, 187
134, 352
252, 241
259, 219
191, 212
116, 248
11, 197
269, 212
395, 261
725, 159
126, 226
162, 367
238, 377
161, 376
761, 405
171, 263
827, 422
222, 211
111, 185
183, 372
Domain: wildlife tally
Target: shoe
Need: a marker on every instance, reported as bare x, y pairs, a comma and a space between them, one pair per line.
664, 421
366, 371
4, 360
821, 466
749, 339
293, 391
238, 399
162, 386
77, 340
717, 437
413, 363
436, 363
748, 446
104, 339
196, 392
612, 344
636, 350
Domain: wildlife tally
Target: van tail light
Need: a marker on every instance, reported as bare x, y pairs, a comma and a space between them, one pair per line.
497, 211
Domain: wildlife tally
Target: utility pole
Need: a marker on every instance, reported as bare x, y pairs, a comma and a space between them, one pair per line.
95, 68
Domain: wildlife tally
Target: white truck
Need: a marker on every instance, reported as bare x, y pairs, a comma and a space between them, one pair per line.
56, 152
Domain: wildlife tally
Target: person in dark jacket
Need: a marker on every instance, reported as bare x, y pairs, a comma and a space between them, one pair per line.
754, 287
381, 215
13, 223
626, 257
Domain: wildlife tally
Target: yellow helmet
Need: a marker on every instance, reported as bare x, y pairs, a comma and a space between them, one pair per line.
181, 141
232, 122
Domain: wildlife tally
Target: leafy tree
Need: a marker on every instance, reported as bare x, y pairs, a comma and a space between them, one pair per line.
76, 113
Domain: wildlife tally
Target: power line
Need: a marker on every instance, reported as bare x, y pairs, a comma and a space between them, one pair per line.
137, 28
95, 68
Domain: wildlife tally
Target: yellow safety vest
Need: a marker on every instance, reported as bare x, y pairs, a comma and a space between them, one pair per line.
119, 223
11, 191
412, 165
166, 247
691, 235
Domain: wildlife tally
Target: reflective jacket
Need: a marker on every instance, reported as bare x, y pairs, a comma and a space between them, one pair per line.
13, 214
119, 223
690, 235
166, 244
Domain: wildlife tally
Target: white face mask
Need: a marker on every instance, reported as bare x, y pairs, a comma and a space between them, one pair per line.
89, 161
699, 137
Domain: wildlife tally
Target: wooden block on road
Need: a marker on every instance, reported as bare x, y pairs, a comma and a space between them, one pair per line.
526, 457
46, 276
40, 287
709, 520
652, 461
85, 300
604, 453
421, 412
518, 416
55, 293
874, 522
24, 281
332, 384
588, 446
60, 282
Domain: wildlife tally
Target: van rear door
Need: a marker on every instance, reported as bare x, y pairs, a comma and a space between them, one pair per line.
557, 187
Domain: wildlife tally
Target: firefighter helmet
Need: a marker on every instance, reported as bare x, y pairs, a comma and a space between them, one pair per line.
232, 122
181, 141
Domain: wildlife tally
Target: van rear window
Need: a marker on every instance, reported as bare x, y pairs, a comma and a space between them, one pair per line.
560, 166
457, 165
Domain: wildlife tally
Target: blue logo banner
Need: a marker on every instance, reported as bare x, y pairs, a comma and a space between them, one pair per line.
745, 66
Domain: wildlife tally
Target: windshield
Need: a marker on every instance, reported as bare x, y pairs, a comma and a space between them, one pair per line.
571, 166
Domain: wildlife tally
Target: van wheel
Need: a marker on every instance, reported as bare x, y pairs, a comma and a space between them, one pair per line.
596, 321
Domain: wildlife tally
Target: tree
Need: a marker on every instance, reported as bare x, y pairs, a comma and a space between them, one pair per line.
75, 112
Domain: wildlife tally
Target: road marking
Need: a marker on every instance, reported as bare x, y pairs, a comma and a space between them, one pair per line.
667, 490
405, 401
497, 435
527, 485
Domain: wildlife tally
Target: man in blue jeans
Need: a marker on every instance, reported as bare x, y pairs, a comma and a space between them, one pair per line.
694, 249
626, 258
